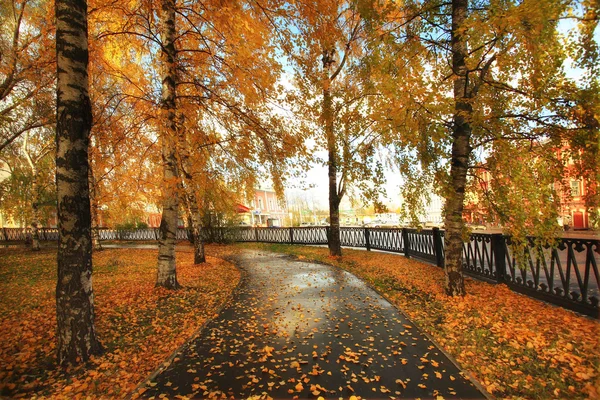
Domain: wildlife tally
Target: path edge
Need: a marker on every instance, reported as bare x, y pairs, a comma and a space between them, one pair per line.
467, 374
169, 360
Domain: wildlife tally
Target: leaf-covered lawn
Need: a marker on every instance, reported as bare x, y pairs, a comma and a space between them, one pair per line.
517, 347
139, 325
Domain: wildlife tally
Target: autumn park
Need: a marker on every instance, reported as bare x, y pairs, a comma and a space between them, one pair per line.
161, 169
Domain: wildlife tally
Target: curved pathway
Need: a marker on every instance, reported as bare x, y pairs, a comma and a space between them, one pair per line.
302, 329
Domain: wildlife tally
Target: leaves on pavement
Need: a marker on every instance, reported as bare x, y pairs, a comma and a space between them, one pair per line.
515, 346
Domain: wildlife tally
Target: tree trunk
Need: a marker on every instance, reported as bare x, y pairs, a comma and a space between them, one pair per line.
35, 204
461, 150
190, 227
75, 333
199, 256
35, 232
94, 212
167, 273
334, 242
191, 200
195, 222
194, 218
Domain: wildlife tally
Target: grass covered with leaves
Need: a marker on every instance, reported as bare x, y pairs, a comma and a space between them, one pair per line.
138, 324
517, 347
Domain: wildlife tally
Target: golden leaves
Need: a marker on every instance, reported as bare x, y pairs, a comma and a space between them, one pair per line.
137, 334
517, 347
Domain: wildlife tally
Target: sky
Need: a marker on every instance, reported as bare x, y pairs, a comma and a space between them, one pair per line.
319, 192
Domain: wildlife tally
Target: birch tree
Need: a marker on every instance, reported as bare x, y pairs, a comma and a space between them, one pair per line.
76, 333
493, 99
334, 100
167, 275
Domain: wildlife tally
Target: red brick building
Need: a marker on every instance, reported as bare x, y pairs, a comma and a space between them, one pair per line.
575, 191
573, 210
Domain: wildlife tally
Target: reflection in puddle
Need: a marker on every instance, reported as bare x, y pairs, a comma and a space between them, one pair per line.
311, 298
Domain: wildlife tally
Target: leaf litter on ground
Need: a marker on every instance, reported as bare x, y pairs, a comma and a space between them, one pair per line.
515, 346
139, 325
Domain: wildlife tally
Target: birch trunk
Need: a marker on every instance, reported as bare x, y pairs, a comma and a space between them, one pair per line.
35, 204
193, 212
334, 242
193, 215
461, 150
94, 211
75, 332
167, 273
35, 223
199, 255
191, 200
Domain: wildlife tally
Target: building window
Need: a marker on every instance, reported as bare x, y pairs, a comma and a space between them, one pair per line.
575, 189
271, 205
260, 204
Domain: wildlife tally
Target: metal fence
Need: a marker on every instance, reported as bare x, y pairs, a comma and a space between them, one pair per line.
564, 273
23, 234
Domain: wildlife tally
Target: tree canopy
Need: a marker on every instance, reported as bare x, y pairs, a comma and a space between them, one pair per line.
194, 104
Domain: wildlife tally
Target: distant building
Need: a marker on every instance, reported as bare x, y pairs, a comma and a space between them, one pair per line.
154, 216
388, 217
474, 212
264, 209
573, 209
433, 210
4, 174
573, 192
48, 218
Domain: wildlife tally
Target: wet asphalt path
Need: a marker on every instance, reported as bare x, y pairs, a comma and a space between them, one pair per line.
305, 330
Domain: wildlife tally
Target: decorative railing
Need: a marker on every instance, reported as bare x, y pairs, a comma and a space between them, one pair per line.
564, 273
307, 235
385, 239
24, 234
129, 234
351, 237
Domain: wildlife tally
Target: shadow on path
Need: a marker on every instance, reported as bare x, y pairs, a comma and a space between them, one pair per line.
299, 329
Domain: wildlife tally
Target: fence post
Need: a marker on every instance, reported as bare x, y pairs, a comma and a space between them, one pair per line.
438, 248
255, 234
406, 242
291, 235
367, 238
499, 250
